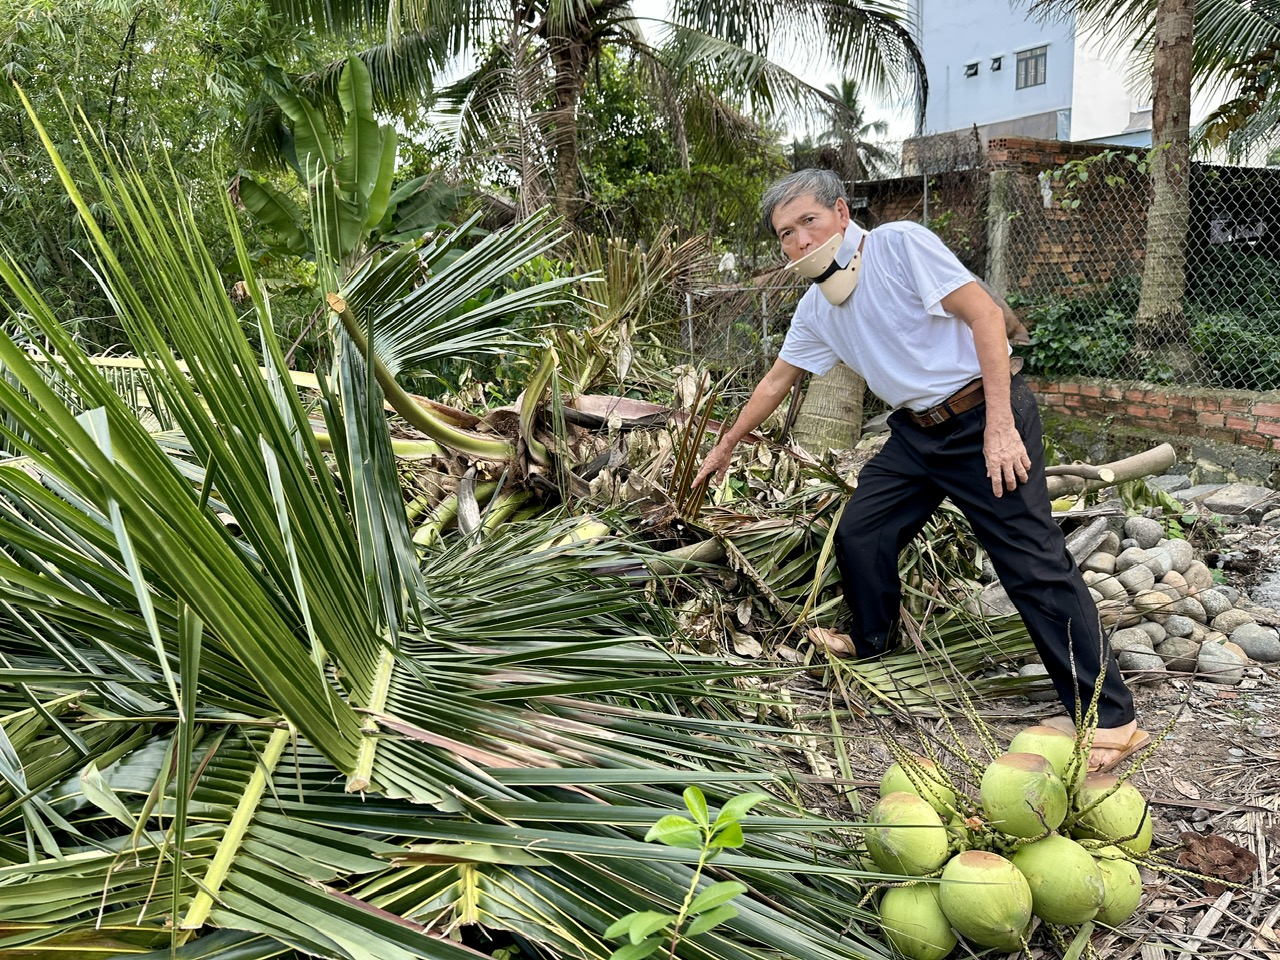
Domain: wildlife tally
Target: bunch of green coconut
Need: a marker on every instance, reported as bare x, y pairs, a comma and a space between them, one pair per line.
1044, 839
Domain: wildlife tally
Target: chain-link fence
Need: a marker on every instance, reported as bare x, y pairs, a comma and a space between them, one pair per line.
1108, 288
1063, 231
735, 330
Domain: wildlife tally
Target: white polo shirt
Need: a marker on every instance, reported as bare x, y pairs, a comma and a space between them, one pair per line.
893, 330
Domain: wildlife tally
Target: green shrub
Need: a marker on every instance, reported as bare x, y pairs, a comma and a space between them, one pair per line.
1239, 352
1233, 317
1075, 338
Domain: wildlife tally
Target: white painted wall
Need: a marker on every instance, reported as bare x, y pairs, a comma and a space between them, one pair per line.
953, 33
1101, 99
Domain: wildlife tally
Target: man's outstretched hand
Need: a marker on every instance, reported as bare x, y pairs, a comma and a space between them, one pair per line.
714, 466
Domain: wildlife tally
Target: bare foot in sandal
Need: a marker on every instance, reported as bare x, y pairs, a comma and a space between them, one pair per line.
1111, 745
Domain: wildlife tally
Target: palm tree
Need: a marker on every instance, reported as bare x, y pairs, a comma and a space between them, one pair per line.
1160, 327
1162, 29
534, 58
850, 132
830, 417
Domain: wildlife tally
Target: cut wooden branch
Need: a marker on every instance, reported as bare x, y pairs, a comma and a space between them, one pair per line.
1086, 470
1146, 464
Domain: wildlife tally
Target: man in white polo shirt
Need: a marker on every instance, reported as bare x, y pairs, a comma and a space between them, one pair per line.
896, 306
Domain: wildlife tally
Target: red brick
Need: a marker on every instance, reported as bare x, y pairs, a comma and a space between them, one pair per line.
1090, 390
1266, 410
1160, 413
1071, 400
1211, 419
1234, 404
1221, 436
1241, 423
1113, 393
1255, 440
1270, 428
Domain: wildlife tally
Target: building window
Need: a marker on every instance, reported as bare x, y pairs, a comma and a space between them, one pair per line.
1031, 64
971, 69
995, 64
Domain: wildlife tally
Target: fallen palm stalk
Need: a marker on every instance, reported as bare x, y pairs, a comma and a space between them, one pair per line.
1082, 478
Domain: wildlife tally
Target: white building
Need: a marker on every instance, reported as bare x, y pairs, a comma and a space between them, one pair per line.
989, 65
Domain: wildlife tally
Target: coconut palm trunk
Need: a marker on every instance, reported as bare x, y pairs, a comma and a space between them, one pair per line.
831, 416
570, 60
1161, 334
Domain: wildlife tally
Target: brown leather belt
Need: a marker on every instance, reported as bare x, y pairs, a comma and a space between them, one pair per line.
966, 398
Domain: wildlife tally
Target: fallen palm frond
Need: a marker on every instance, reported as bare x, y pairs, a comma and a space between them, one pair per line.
295, 735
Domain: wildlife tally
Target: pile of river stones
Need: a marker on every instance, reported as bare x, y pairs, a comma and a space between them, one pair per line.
1160, 605
1164, 611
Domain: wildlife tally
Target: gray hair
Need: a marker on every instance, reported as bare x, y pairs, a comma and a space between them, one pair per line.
823, 185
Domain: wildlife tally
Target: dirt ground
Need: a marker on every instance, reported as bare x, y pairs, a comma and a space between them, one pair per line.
1213, 782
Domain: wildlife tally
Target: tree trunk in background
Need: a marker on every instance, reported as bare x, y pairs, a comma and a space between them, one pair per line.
570, 61
830, 417
1160, 329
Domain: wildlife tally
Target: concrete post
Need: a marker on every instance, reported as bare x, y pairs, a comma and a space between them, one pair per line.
1000, 208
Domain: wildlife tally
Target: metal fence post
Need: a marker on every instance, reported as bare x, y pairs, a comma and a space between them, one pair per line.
764, 323
688, 318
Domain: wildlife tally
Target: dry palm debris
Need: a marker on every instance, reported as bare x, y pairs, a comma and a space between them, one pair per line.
1216, 856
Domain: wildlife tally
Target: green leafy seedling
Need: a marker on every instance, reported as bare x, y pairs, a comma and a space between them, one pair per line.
702, 910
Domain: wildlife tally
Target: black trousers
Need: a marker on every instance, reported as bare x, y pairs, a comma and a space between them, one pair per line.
897, 492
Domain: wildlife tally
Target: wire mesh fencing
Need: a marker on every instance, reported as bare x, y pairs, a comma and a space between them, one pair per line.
1107, 277
736, 330
1108, 285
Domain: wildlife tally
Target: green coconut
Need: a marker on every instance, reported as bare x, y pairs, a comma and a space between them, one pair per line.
1122, 818
1056, 746
1066, 886
914, 923
906, 836
986, 899
1121, 885
1022, 796
920, 776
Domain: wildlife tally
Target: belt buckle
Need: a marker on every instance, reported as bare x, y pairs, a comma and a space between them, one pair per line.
935, 415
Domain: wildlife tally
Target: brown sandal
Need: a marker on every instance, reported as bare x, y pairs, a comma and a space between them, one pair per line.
1124, 751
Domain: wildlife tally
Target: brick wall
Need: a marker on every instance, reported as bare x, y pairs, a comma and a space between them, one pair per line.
957, 209
1237, 417
1050, 249
1031, 156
